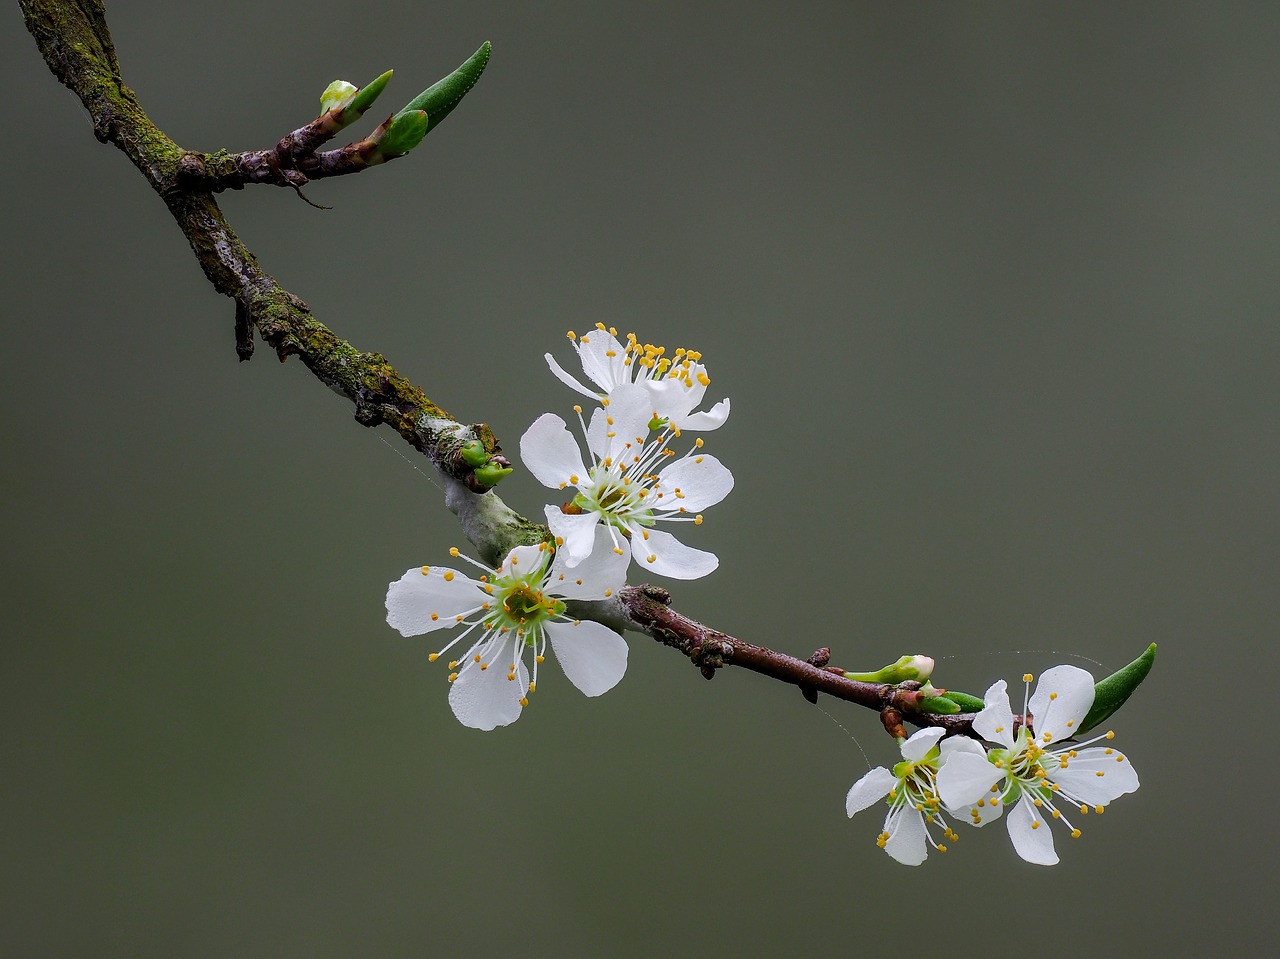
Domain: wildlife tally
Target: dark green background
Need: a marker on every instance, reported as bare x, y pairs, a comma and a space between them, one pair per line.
993, 289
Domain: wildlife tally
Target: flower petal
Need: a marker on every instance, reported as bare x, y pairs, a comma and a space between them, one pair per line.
921, 741
707, 421
577, 531
906, 837
603, 572
485, 699
567, 379
965, 778
692, 483
1061, 699
630, 411
414, 598
1032, 838
523, 560
662, 553
593, 656
955, 745
869, 790
602, 359
1096, 776
995, 722
550, 452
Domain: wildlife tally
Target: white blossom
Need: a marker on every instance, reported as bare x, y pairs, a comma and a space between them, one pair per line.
676, 384
912, 794
507, 613
1026, 771
635, 481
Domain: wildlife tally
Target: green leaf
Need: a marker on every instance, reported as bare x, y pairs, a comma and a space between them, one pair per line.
967, 703
491, 474
365, 96
940, 705
439, 99
405, 133
1111, 693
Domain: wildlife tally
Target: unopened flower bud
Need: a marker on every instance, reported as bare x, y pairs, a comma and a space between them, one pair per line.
337, 95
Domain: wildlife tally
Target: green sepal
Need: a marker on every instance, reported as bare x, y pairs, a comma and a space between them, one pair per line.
939, 705
405, 133
967, 703
439, 99
491, 474
473, 453
364, 98
656, 424
1111, 693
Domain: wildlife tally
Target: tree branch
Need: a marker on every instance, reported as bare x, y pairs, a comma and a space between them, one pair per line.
73, 37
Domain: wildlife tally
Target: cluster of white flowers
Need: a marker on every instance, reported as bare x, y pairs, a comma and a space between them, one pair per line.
634, 480
1037, 769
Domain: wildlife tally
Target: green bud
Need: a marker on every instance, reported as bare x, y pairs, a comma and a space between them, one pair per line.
365, 97
405, 133
473, 453
967, 703
337, 95
491, 474
939, 705
1111, 693
439, 99
907, 667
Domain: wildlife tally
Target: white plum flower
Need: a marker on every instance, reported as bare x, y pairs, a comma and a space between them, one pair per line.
912, 794
676, 384
634, 482
1026, 771
508, 612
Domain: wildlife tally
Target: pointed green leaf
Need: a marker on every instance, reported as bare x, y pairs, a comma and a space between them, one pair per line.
1110, 694
967, 703
439, 99
366, 95
940, 705
491, 474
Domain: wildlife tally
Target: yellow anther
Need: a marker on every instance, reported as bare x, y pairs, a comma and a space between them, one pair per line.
698, 443
452, 677
432, 657
1035, 824
484, 666
613, 331
453, 551
609, 592
1027, 677
1099, 774
650, 558
1111, 734
448, 576
577, 408
434, 617
573, 478
538, 659
426, 570
572, 335
1075, 834
697, 459
617, 550
1053, 696
706, 381
611, 353
524, 700
1056, 813
458, 618
454, 664
533, 687
1098, 810
942, 848
600, 326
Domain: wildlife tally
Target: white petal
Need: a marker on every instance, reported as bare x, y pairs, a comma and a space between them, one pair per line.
705, 422
921, 742
603, 572
550, 452
673, 400
955, 745
869, 790
485, 699
413, 598
995, 721
1080, 777
661, 553
577, 530
606, 371
1061, 699
907, 837
523, 560
631, 409
1032, 838
965, 778
593, 656
568, 380
701, 479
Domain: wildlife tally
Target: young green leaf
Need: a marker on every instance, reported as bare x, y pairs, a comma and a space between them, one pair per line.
1111, 693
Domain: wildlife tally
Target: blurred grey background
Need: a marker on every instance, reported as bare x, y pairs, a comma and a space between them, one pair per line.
993, 290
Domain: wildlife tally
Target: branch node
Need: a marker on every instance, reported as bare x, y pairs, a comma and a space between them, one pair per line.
892, 720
